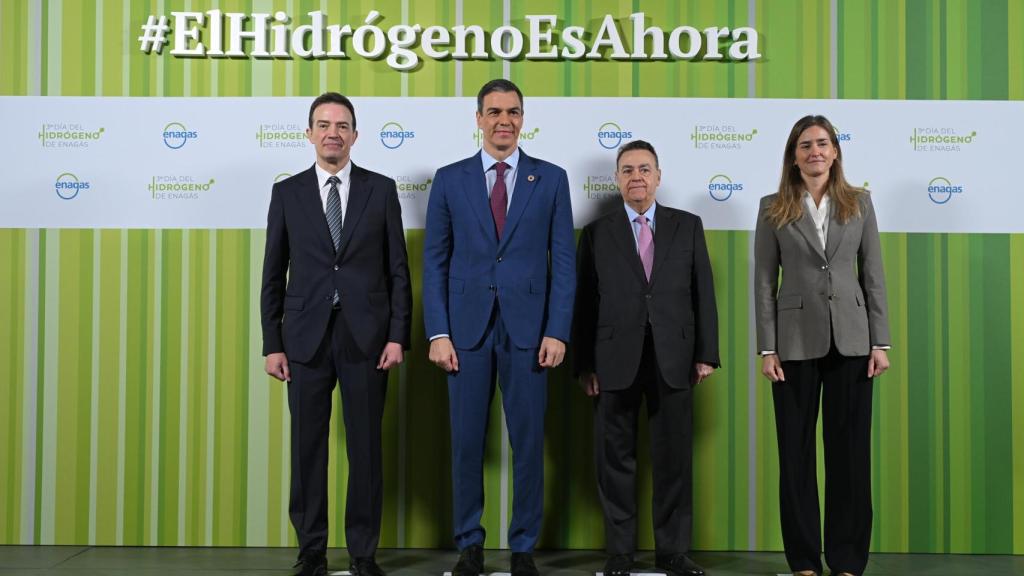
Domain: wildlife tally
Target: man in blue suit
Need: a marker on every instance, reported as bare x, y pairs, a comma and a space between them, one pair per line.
498, 286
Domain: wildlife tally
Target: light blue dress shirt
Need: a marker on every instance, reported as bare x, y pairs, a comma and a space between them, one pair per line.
632, 214
491, 174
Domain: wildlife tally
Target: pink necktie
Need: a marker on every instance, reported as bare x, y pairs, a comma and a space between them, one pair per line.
499, 198
645, 244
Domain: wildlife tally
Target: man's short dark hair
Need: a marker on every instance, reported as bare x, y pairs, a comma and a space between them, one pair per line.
332, 98
497, 85
636, 145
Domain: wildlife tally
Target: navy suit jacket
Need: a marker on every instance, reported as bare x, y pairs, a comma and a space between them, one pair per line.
530, 273
370, 271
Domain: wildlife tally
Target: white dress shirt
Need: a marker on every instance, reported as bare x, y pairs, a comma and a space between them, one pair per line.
345, 175
820, 215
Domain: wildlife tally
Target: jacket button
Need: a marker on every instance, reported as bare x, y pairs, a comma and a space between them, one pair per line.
500, 258
335, 267
648, 296
491, 287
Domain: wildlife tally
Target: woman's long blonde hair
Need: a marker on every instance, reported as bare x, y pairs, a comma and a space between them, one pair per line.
788, 205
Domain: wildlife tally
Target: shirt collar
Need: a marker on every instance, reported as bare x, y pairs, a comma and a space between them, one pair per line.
343, 174
809, 200
489, 161
632, 214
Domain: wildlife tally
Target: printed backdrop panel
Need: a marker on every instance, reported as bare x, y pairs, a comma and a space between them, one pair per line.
210, 162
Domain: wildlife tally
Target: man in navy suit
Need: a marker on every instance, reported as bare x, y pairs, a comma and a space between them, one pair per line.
498, 285
336, 305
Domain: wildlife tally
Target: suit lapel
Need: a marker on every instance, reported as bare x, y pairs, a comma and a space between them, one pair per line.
622, 231
475, 189
665, 226
806, 227
835, 235
358, 195
308, 197
526, 183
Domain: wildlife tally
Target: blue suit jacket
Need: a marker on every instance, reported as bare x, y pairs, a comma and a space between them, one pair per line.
530, 273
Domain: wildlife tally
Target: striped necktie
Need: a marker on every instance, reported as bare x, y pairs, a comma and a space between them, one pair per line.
334, 223
334, 212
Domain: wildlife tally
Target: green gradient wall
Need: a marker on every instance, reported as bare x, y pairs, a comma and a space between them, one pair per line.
133, 405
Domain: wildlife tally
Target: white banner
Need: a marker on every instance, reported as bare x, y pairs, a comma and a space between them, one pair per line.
210, 162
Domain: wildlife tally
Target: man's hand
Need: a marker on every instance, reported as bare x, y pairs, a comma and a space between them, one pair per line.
443, 354
552, 352
276, 365
878, 363
588, 381
772, 368
391, 356
701, 371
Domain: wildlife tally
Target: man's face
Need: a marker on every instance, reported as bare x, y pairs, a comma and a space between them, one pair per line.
638, 178
332, 134
501, 120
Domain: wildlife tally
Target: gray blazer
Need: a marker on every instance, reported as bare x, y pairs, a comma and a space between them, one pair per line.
836, 294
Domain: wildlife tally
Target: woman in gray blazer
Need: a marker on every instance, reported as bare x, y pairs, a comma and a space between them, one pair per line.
822, 336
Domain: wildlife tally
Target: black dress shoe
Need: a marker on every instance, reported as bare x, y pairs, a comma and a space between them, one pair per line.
365, 567
312, 564
471, 561
618, 565
679, 565
522, 564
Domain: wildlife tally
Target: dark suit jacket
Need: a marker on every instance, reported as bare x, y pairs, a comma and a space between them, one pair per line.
615, 302
370, 270
530, 272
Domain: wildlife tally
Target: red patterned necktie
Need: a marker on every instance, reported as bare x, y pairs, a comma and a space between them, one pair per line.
499, 197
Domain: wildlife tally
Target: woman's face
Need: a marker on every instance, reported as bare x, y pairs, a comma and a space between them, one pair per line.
815, 152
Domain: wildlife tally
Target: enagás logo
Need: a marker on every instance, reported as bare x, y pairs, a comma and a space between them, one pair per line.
601, 187
478, 136
721, 137
178, 187
68, 135
176, 135
941, 190
410, 187
610, 135
721, 187
392, 135
842, 136
68, 186
281, 135
941, 139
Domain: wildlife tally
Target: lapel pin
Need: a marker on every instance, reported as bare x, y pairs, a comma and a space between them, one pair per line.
531, 178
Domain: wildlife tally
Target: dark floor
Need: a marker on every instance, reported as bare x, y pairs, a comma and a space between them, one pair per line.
101, 561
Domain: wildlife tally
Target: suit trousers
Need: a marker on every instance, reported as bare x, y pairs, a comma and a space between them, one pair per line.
363, 389
844, 390
670, 420
524, 395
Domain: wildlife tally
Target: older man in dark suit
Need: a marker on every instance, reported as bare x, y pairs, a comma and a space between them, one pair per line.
335, 305
646, 326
